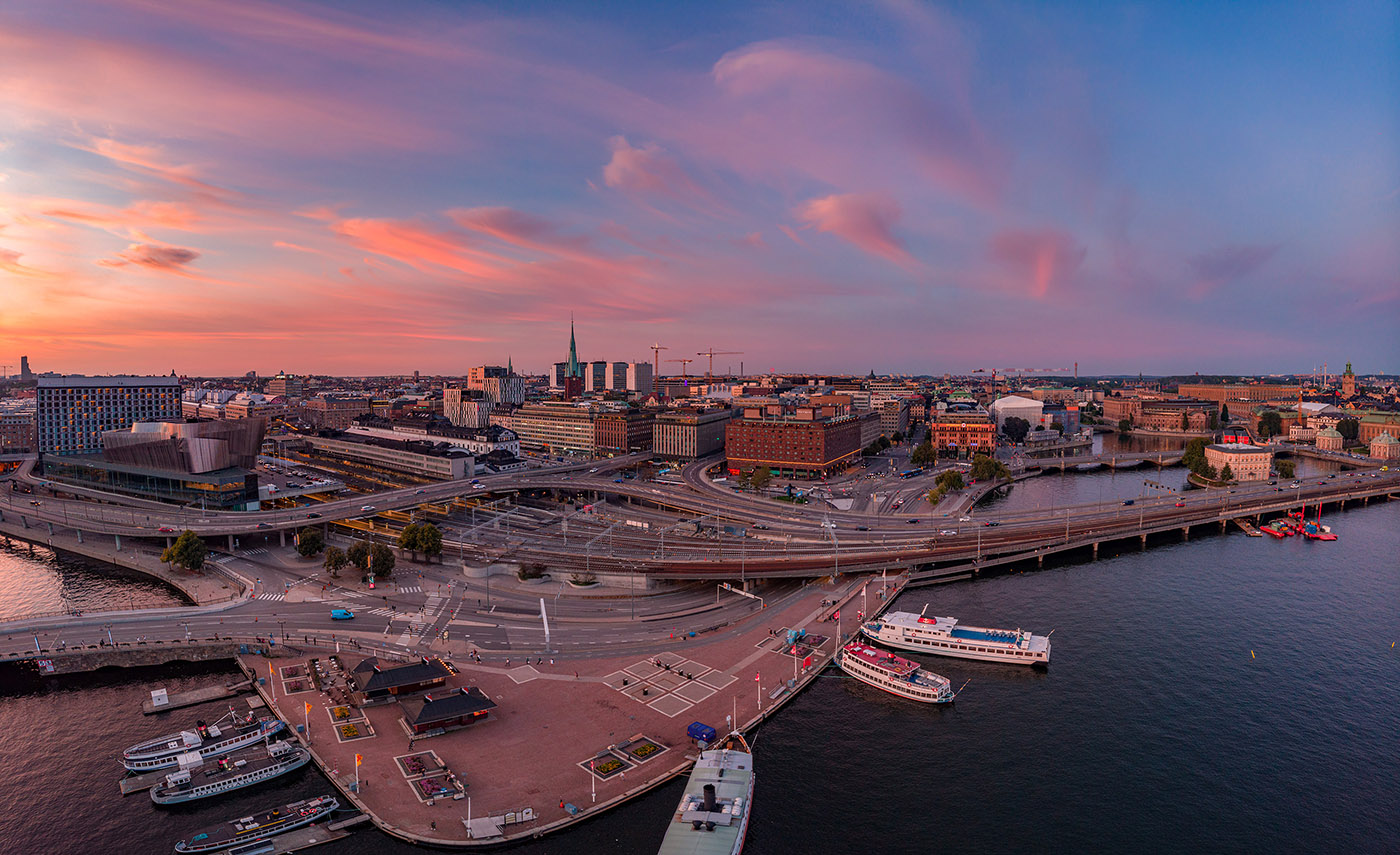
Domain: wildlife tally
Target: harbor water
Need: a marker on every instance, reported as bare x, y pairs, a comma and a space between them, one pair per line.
38, 581
1224, 694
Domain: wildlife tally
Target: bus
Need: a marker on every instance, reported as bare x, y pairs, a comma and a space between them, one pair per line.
911, 473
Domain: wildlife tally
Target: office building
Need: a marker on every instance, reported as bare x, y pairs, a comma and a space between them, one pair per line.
477, 375
803, 443
1229, 393
508, 389
962, 432
424, 459
595, 377
334, 411
622, 431
16, 431
24, 373
465, 407
553, 426
680, 435
72, 413
1246, 462
285, 385
479, 441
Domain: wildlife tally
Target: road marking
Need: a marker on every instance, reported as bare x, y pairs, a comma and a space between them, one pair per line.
272, 597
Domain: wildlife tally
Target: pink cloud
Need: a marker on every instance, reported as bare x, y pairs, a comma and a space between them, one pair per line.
649, 171
1224, 264
168, 258
1040, 259
10, 263
866, 220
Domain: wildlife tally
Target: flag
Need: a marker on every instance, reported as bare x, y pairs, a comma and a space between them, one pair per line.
794, 650
358, 760
837, 615
308, 708
756, 678
807, 663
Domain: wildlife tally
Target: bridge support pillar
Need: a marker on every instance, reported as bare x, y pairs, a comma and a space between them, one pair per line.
167, 542
118, 538
1040, 560
230, 543
282, 535
1142, 541
50, 525
1222, 526
1186, 532
1096, 549
80, 535
24, 521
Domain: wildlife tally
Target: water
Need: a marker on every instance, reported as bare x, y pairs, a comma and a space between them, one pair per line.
1153, 731
48, 583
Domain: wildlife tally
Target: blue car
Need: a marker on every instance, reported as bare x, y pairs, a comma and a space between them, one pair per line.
342, 614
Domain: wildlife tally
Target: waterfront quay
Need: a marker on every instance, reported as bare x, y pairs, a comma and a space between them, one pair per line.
567, 737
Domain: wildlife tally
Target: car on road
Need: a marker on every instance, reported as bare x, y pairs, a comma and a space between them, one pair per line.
264, 525
1181, 504
419, 492
35, 502
594, 469
862, 528
990, 523
367, 507
342, 614
964, 519
947, 532
761, 527
617, 480
165, 529
313, 516
1128, 501
913, 522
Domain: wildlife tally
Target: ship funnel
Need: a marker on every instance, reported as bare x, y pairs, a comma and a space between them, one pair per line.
709, 797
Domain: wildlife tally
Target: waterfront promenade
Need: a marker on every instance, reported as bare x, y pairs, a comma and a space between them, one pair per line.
530, 759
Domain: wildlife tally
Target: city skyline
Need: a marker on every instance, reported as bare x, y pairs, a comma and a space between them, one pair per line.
832, 188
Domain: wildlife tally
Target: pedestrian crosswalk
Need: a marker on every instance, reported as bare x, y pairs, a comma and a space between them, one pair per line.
258, 551
272, 597
410, 589
389, 613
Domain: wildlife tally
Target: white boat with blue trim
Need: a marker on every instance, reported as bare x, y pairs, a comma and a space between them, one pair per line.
230, 733
894, 674
943, 636
713, 816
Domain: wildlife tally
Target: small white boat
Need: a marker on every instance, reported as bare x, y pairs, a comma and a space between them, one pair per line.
944, 637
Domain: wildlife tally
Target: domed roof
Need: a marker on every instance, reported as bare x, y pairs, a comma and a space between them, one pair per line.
1385, 439
1330, 433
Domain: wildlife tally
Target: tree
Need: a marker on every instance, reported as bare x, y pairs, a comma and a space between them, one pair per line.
381, 560
1208, 472
188, 551
1270, 424
884, 442
1225, 412
923, 455
950, 480
1059, 427
1350, 429
309, 542
984, 468
1015, 428
1185, 424
358, 553
409, 538
429, 540
898, 437
761, 478
1284, 467
1214, 422
1227, 474
335, 560
1125, 426
1195, 454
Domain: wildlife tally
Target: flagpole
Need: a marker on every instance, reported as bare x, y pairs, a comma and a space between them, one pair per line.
593, 780
757, 678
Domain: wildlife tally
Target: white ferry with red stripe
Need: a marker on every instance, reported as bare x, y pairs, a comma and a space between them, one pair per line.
894, 674
944, 637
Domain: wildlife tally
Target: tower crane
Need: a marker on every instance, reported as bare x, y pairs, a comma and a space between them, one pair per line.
712, 353
684, 363
656, 363
1020, 371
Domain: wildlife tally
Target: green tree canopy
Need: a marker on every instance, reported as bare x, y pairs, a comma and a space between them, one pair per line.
1195, 455
761, 478
1284, 467
1350, 429
1227, 474
1125, 426
188, 551
409, 538
898, 436
309, 542
1224, 412
381, 560
950, 480
923, 455
1270, 424
429, 540
985, 468
335, 560
1016, 428
358, 553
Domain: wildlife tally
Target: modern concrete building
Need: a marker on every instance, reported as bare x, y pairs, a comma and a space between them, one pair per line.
334, 411
554, 426
479, 441
477, 375
1015, 406
465, 407
17, 431
72, 413
681, 435
894, 416
508, 389
622, 431
1246, 462
436, 460
285, 385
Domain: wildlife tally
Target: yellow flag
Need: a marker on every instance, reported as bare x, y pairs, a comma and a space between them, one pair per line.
358, 760
308, 709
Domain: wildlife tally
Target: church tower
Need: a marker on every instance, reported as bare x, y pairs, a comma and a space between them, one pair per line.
1348, 382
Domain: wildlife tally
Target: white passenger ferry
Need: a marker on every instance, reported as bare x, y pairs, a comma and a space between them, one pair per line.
943, 636
231, 772
894, 674
208, 740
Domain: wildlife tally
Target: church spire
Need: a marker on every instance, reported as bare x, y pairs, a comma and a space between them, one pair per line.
573, 367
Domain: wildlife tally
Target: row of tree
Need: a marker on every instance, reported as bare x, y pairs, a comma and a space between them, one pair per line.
365, 557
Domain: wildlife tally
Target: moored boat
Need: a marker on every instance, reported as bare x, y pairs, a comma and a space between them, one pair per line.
197, 780
267, 824
713, 815
230, 733
944, 637
893, 674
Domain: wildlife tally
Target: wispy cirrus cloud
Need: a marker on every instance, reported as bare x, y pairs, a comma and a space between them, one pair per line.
1222, 265
150, 257
1039, 259
866, 220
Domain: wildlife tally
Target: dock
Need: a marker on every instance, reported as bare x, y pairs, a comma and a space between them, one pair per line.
142, 782
1249, 529
197, 696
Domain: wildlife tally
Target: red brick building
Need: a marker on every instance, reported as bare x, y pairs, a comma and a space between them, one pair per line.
619, 433
962, 434
800, 445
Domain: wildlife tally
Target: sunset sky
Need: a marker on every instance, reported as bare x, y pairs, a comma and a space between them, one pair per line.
379, 187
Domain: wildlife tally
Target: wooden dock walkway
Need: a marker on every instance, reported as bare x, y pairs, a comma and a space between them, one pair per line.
139, 783
1248, 527
197, 696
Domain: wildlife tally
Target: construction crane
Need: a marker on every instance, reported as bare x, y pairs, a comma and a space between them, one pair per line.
712, 353
6, 369
684, 363
656, 364
1007, 372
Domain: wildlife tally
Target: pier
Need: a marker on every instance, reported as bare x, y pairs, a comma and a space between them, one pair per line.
197, 696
